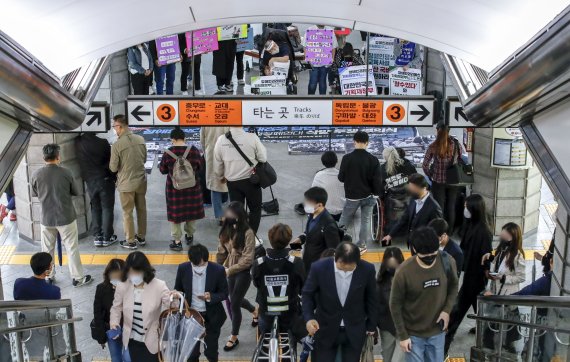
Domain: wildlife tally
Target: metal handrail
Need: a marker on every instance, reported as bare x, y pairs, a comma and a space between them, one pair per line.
40, 325
518, 323
19, 306
527, 301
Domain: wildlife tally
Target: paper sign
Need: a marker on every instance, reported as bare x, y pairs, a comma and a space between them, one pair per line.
229, 32
353, 81
406, 82
210, 113
351, 113
280, 69
167, 49
278, 112
381, 57
205, 41
245, 43
319, 46
269, 85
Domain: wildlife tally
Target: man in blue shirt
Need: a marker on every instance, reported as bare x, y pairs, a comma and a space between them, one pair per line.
36, 287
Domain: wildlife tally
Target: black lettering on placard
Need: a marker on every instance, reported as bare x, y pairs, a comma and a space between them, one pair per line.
431, 283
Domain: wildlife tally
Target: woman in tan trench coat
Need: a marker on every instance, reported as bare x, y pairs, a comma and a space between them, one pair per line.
208, 138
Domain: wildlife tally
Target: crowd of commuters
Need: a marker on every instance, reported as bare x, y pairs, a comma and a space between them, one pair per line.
330, 293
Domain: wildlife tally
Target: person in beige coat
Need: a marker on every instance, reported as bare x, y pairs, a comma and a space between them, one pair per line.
140, 320
208, 138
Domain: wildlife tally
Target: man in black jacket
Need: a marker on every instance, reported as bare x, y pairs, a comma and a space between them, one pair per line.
94, 154
206, 287
321, 232
420, 211
340, 304
360, 172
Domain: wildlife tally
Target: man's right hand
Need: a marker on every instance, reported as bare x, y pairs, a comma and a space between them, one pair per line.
312, 327
386, 240
406, 345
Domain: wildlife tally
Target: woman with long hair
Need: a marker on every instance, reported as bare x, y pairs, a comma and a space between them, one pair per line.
236, 251
391, 261
440, 155
475, 242
507, 268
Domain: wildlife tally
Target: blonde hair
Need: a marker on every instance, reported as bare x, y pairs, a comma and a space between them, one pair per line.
393, 160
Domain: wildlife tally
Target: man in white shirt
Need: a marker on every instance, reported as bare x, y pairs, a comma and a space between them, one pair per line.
320, 72
231, 167
340, 304
327, 178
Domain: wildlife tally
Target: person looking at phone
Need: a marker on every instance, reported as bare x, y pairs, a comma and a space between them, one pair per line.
429, 278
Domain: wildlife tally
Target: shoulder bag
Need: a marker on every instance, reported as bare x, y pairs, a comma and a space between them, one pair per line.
458, 174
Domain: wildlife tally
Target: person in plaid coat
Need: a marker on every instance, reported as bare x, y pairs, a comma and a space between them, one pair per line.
183, 207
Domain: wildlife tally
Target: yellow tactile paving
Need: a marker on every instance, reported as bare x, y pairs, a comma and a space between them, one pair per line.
551, 209
6, 252
546, 244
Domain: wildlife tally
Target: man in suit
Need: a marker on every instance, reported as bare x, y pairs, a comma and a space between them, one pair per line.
340, 304
206, 287
447, 244
321, 232
420, 211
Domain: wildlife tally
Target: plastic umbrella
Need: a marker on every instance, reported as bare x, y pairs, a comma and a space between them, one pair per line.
308, 345
192, 332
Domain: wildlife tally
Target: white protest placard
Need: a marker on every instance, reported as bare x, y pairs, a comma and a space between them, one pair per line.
277, 112
381, 57
406, 82
280, 69
269, 85
353, 80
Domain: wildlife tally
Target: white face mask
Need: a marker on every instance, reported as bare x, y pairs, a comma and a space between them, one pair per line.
441, 248
199, 269
466, 213
114, 282
136, 279
309, 209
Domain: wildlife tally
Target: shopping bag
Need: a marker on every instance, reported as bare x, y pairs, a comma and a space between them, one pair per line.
367, 354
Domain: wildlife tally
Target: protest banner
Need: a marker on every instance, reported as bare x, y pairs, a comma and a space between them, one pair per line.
319, 47
269, 85
353, 80
167, 49
406, 82
246, 43
381, 57
229, 32
205, 41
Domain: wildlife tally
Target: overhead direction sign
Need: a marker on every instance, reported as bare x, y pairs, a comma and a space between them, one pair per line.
96, 118
455, 115
420, 113
349, 112
395, 113
165, 112
140, 113
210, 113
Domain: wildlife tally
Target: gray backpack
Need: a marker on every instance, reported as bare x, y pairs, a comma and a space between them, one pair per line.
182, 176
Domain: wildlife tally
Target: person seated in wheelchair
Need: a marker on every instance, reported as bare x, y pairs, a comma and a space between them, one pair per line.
344, 57
279, 278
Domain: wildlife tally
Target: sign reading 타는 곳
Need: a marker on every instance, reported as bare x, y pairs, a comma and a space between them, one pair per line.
167, 49
210, 113
267, 112
349, 112
319, 47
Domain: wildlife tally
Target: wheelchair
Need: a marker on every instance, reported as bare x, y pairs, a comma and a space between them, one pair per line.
275, 346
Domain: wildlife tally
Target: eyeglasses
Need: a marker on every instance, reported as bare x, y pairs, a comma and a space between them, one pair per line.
116, 125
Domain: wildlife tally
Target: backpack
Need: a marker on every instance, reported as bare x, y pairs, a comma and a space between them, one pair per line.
182, 176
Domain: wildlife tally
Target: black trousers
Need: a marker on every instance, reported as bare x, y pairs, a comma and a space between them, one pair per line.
187, 69
238, 284
247, 193
102, 195
466, 299
328, 353
211, 340
239, 65
446, 196
141, 83
139, 352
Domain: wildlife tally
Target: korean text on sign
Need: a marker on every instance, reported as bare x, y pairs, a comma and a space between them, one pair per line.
167, 49
205, 41
319, 47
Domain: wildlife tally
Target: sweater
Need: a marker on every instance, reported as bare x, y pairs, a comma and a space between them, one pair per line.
360, 172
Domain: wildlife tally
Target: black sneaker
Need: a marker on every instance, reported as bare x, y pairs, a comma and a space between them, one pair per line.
125, 244
112, 240
83, 281
189, 239
98, 241
140, 241
300, 209
174, 246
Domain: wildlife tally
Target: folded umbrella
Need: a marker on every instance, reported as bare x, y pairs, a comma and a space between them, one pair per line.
308, 346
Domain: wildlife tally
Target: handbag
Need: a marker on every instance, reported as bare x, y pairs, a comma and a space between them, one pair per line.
367, 354
459, 174
263, 173
271, 207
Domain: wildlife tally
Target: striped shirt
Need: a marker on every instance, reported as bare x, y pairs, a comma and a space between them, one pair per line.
138, 329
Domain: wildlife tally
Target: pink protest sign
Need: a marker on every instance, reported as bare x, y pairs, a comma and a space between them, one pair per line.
205, 41
319, 47
167, 49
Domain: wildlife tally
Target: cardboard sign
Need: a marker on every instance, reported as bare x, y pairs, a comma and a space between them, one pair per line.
319, 47
245, 43
381, 57
167, 49
350, 113
229, 32
210, 113
280, 69
205, 41
406, 82
353, 81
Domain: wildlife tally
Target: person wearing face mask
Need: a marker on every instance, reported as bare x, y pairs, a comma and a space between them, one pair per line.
104, 295
476, 241
236, 251
321, 232
205, 286
340, 305
446, 243
276, 52
420, 211
429, 278
391, 261
36, 287
139, 300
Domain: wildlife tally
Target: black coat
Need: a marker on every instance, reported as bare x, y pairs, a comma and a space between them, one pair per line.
94, 154
455, 251
104, 295
476, 242
323, 235
321, 302
224, 58
431, 210
216, 285
385, 321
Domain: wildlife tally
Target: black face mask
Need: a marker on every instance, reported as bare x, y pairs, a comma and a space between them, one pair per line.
391, 271
428, 260
230, 221
505, 241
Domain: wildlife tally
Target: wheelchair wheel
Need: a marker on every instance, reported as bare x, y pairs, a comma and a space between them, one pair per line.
376, 224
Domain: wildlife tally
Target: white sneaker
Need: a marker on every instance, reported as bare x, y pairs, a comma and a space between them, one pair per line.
185, 93
199, 92
229, 88
151, 91
241, 82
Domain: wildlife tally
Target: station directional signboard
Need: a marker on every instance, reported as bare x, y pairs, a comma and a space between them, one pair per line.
455, 116
380, 111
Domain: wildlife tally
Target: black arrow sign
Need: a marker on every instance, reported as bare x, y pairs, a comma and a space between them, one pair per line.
137, 113
459, 112
424, 113
95, 116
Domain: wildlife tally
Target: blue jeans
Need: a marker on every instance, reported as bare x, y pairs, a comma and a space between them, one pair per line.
217, 201
165, 71
347, 217
427, 349
318, 76
118, 354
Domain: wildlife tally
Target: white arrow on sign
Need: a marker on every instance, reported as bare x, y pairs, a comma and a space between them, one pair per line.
140, 113
420, 113
456, 116
95, 120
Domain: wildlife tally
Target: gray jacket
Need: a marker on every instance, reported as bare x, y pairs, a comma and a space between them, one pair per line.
54, 186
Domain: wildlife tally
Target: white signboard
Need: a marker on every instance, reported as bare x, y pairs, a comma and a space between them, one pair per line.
140, 113
420, 113
509, 149
279, 112
381, 57
406, 82
455, 115
395, 113
353, 81
95, 119
165, 113
269, 85
280, 69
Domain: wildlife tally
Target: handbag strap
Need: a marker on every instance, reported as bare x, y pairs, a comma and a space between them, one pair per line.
455, 149
231, 139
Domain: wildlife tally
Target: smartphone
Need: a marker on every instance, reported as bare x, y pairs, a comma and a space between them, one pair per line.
296, 246
493, 274
440, 324
114, 333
